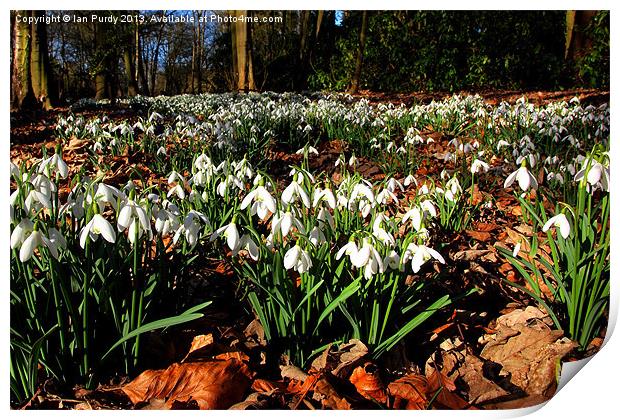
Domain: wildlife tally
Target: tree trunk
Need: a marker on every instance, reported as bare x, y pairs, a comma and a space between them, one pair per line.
101, 76
132, 86
39, 63
577, 41
23, 96
355, 82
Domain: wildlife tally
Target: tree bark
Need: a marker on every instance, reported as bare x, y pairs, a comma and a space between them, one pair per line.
39, 63
355, 82
132, 86
23, 97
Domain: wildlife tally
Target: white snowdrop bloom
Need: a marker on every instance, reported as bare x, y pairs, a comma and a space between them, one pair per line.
174, 176
97, 226
262, 202
30, 244
176, 190
97, 147
349, 249
353, 160
501, 144
478, 165
423, 190
230, 180
419, 254
325, 216
283, 223
416, 217
21, 232
392, 260
294, 191
298, 259
36, 200
166, 222
559, 221
316, 236
162, 151
323, 195
531, 159
524, 177
340, 161
133, 217
384, 195
361, 189
410, 179
380, 233
368, 258
597, 174
54, 164
231, 234
555, 176
392, 184
247, 244
428, 207
107, 194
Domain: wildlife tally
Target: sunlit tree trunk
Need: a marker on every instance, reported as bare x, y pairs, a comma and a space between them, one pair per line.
130, 72
242, 46
23, 96
39, 63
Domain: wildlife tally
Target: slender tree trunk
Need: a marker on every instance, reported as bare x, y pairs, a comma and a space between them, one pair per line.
241, 47
355, 82
132, 86
39, 63
23, 96
319, 20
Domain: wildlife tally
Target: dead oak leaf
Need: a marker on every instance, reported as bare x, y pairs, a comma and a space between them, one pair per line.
212, 385
368, 383
409, 392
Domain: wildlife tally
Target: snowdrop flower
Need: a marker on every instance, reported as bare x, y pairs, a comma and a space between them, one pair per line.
478, 165
340, 161
392, 260
410, 179
316, 236
298, 259
502, 143
392, 184
523, 177
284, 222
295, 190
54, 164
106, 194
231, 234
419, 254
191, 227
516, 250
353, 160
262, 202
97, 226
416, 217
558, 221
176, 190
597, 174
21, 232
349, 249
162, 151
222, 187
166, 222
325, 216
380, 233
133, 217
368, 258
384, 195
361, 189
246, 243
175, 176
326, 195
32, 242
97, 147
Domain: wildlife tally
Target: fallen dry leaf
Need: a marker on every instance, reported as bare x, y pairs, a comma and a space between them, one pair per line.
212, 385
409, 392
443, 387
368, 383
325, 392
479, 236
529, 355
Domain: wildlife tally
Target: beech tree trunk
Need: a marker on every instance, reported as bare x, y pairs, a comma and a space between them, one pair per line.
355, 82
242, 57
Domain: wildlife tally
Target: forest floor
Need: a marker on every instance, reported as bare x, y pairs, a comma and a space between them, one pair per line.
495, 350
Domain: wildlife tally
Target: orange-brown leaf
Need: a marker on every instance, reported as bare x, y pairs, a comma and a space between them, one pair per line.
213, 385
368, 383
439, 383
409, 392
